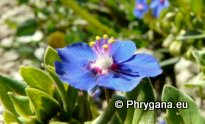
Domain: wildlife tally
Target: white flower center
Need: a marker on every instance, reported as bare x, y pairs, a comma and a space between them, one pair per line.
103, 62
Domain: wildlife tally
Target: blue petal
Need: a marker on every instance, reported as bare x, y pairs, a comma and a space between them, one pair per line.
154, 4
157, 7
84, 80
76, 52
122, 50
166, 4
157, 11
140, 1
74, 66
140, 13
71, 70
119, 82
146, 65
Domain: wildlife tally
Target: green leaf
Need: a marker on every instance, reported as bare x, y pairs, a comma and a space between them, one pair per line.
82, 111
9, 118
120, 116
50, 56
191, 115
16, 86
168, 62
200, 57
5, 100
21, 104
62, 92
31, 120
45, 106
197, 6
94, 108
199, 81
179, 20
28, 27
23, 1
37, 78
58, 122
72, 96
111, 111
178, 3
143, 92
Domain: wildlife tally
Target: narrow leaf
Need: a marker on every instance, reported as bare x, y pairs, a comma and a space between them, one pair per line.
9, 118
28, 27
191, 115
110, 111
21, 104
62, 92
50, 56
5, 100
45, 106
82, 111
142, 93
37, 78
16, 86
31, 120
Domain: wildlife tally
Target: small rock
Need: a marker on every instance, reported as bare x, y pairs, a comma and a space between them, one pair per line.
1, 112
1, 109
27, 62
9, 56
1, 51
37, 36
39, 53
16, 75
184, 64
7, 42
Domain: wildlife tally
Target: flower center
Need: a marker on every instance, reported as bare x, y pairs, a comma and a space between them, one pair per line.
104, 62
140, 6
102, 65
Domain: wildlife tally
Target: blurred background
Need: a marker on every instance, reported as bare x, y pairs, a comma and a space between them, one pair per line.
176, 37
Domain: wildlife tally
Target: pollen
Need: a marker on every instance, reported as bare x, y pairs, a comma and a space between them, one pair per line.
97, 37
111, 40
92, 43
105, 46
105, 36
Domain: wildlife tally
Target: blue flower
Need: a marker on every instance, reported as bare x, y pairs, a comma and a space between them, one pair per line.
158, 5
141, 8
107, 62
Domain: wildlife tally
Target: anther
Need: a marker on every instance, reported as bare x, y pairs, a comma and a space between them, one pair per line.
105, 46
91, 43
97, 37
105, 36
111, 40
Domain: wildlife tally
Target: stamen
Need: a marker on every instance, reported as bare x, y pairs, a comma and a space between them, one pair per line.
111, 40
97, 37
105, 36
105, 46
92, 43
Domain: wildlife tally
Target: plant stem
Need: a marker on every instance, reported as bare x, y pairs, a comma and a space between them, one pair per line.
107, 96
86, 15
201, 95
